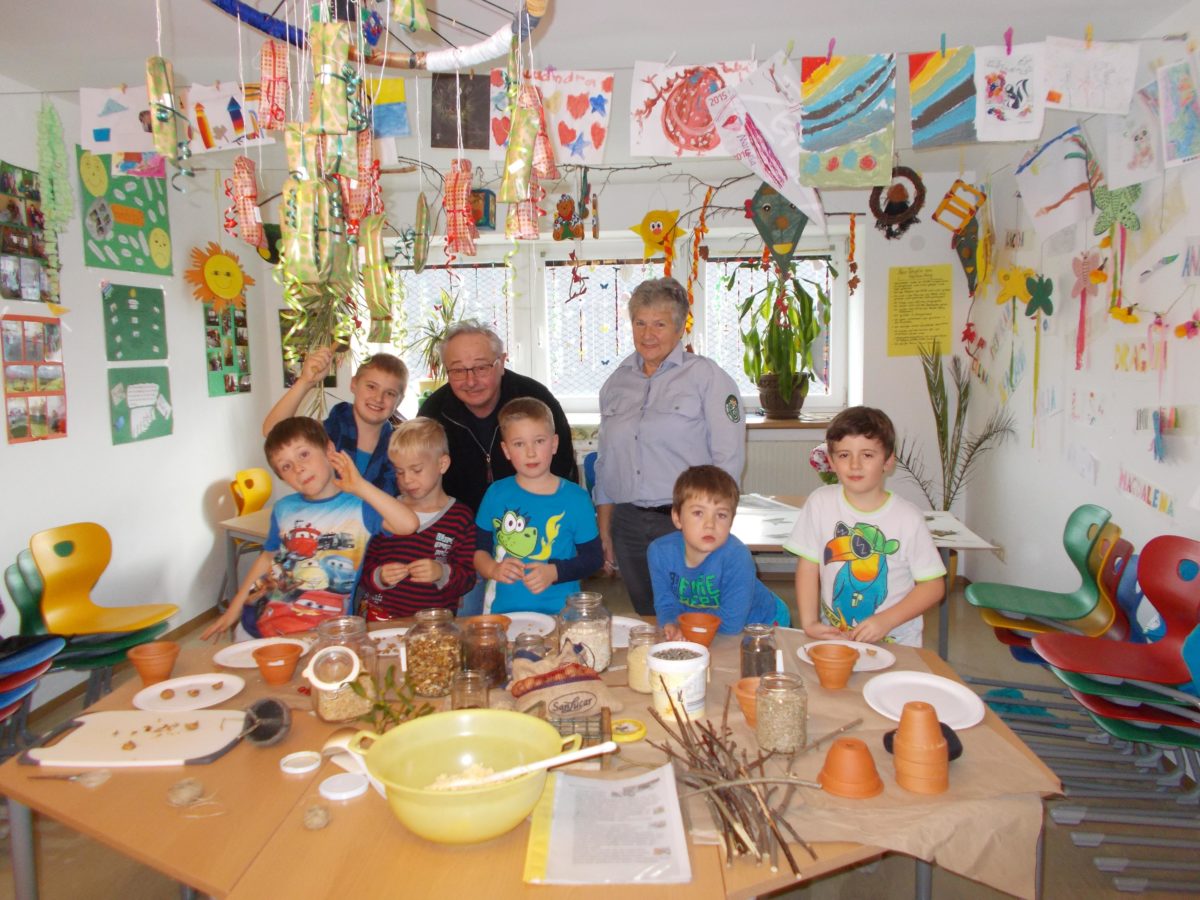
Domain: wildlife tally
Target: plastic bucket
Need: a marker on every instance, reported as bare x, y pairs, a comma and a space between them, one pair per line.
684, 681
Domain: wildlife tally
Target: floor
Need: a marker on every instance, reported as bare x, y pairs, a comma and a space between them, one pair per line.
1069, 873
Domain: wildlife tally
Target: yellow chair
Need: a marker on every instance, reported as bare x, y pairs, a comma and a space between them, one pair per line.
71, 559
251, 490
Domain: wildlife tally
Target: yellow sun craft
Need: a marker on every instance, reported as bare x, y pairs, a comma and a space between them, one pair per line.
217, 277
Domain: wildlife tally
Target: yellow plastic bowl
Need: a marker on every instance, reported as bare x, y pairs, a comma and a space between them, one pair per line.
411, 756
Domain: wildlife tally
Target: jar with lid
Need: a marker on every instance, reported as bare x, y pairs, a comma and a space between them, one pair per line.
641, 639
584, 620
530, 642
485, 649
782, 710
433, 652
343, 656
758, 650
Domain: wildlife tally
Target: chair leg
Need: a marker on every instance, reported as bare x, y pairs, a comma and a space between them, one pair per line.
23, 737
924, 886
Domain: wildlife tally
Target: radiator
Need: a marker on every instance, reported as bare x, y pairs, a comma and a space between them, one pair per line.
780, 467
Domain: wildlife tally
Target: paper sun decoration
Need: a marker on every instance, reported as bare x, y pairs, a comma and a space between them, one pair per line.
780, 223
658, 231
217, 277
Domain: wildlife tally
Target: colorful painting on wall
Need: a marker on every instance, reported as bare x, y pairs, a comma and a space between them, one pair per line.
23, 273
35, 387
125, 221
668, 112
135, 323
847, 124
139, 403
1010, 92
941, 92
471, 102
577, 107
390, 110
227, 350
1178, 113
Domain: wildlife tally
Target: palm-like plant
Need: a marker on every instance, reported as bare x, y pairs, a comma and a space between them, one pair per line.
957, 453
429, 337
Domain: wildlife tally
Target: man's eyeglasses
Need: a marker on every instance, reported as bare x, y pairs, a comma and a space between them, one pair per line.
460, 374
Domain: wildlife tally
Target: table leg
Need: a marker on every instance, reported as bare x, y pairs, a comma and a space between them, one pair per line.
944, 609
924, 890
20, 823
1039, 865
231, 568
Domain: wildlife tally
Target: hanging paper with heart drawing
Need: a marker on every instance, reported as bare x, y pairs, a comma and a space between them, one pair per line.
577, 107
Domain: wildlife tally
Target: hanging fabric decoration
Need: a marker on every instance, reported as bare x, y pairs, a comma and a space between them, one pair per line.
411, 15
273, 86
376, 279
243, 219
168, 123
460, 230
1089, 274
905, 197
217, 277
518, 160
780, 223
851, 263
58, 202
658, 230
567, 224
420, 235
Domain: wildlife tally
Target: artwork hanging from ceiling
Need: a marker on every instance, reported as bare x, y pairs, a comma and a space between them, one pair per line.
668, 112
848, 120
115, 119
1056, 181
458, 97
1090, 76
125, 222
1178, 113
941, 92
220, 118
577, 105
1134, 142
1010, 92
390, 110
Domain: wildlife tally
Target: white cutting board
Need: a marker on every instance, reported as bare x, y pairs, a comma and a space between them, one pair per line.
137, 737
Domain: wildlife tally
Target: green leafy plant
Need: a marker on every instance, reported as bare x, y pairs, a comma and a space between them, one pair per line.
392, 703
958, 453
429, 336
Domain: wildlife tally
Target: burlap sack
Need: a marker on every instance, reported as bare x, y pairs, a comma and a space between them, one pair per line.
568, 687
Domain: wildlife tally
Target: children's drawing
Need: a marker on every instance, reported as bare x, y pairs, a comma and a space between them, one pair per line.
941, 91
35, 399
1057, 180
758, 123
220, 118
226, 350
1191, 259
1135, 142
135, 325
780, 224
139, 403
125, 223
577, 106
460, 103
1179, 113
115, 119
1095, 77
848, 120
668, 112
390, 110
1009, 93
138, 164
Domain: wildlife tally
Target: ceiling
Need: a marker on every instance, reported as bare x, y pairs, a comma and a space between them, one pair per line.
52, 45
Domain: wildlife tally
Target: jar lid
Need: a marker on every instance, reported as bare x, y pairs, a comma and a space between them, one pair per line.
345, 786
301, 762
332, 667
626, 731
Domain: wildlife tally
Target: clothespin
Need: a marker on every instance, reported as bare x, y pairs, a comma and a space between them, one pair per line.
1087, 35
670, 59
791, 45
829, 55
1008, 34
943, 45
124, 87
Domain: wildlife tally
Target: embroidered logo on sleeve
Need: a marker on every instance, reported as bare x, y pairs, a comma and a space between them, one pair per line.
733, 408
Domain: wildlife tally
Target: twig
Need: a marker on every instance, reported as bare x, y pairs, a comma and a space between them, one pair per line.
812, 745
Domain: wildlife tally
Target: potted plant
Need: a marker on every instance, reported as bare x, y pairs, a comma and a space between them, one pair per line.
428, 343
780, 324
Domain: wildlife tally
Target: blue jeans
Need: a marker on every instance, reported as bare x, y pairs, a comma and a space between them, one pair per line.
471, 603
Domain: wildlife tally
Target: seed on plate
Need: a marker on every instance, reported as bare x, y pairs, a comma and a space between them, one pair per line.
217, 685
128, 745
194, 692
166, 693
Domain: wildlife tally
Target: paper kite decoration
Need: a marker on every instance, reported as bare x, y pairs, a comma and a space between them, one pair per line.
905, 198
965, 243
217, 277
658, 231
780, 223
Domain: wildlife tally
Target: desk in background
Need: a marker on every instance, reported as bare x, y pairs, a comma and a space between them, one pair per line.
250, 527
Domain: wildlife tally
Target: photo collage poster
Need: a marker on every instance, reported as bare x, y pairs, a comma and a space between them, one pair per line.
23, 273
227, 350
35, 388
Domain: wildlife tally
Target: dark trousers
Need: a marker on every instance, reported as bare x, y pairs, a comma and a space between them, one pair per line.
633, 528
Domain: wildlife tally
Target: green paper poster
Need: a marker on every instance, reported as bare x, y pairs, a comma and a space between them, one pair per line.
139, 403
135, 325
125, 223
227, 350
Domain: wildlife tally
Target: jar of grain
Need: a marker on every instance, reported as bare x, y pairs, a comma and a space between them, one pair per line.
485, 649
782, 711
344, 656
433, 652
584, 620
641, 639
758, 650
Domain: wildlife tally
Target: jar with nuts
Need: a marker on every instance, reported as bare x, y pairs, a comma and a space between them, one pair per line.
343, 655
433, 651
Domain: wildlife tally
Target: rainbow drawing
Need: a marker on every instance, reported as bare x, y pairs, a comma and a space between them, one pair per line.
941, 90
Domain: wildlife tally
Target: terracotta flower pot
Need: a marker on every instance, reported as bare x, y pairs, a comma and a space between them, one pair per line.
834, 664
153, 661
918, 727
849, 770
920, 784
501, 620
917, 769
699, 628
277, 662
746, 691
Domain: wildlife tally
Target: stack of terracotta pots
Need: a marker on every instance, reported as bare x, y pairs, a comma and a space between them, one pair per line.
920, 749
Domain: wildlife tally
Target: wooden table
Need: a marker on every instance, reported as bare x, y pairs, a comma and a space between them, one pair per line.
259, 847
250, 527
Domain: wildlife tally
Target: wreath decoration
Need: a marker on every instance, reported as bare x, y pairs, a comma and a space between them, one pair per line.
905, 196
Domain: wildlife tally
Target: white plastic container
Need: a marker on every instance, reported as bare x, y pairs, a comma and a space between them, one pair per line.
685, 679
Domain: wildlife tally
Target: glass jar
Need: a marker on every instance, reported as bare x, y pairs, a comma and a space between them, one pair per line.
782, 711
641, 639
485, 649
344, 654
584, 620
433, 652
758, 650
530, 642
469, 690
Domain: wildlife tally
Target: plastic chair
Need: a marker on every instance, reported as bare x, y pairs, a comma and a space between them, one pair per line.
251, 489
71, 559
589, 472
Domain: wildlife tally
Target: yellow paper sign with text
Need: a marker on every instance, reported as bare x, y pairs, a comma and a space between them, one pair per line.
920, 306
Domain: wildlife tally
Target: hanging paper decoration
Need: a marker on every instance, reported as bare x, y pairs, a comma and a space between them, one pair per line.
965, 244
1090, 76
420, 239
217, 277
959, 206
1126, 314
243, 219
847, 121
167, 122
1010, 92
851, 263
483, 209
115, 120
698, 250
521, 220
376, 279
1089, 274
1115, 208
779, 222
1190, 328
1178, 113
460, 230
360, 191
658, 230
390, 112
1040, 288
567, 224
669, 115
519, 161
336, 102
411, 15
1134, 142
1014, 284
220, 119
273, 85
58, 201
905, 198
577, 106
1057, 181
941, 91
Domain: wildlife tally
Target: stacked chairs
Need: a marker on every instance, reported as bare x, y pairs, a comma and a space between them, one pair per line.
23, 661
251, 489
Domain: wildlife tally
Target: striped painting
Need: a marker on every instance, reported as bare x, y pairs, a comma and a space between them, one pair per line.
847, 120
941, 92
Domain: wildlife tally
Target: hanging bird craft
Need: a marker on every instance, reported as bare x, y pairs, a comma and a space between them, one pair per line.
780, 223
658, 230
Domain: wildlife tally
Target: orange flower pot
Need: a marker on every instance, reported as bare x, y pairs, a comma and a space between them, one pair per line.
699, 628
918, 728
277, 662
849, 770
834, 664
746, 691
154, 660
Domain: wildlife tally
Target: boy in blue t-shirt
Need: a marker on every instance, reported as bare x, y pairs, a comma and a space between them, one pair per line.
702, 567
536, 532
313, 550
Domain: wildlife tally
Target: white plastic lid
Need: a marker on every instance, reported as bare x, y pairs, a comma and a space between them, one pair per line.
300, 762
346, 786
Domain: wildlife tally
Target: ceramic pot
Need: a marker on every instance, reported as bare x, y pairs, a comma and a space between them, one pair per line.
934, 771
277, 662
503, 621
746, 691
918, 784
699, 628
849, 770
918, 727
834, 664
153, 661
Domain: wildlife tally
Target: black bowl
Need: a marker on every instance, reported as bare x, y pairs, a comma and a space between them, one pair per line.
953, 744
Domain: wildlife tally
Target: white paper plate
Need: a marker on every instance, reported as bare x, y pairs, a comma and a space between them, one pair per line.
956, 704
241, 655
871, 658
390, 640
621, 626
529, 623
211, 689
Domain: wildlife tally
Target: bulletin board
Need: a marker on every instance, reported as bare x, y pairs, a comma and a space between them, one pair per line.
135, 323
140, 403
35, 387
227, 350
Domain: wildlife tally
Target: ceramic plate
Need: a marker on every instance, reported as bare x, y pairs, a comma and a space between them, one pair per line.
621, 626
390, 640
871, 658
189, 692
956, 704
529, 623
241, 655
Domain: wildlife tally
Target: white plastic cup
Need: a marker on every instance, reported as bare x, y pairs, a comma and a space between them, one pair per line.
686, 680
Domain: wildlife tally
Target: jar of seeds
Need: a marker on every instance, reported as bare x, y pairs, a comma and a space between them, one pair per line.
758, 650
433, 651
641, 639
343, 656
584, 620
485, 649
782, 710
